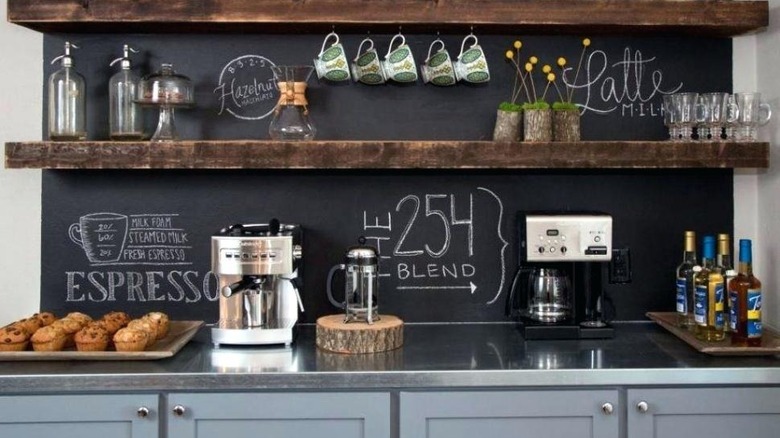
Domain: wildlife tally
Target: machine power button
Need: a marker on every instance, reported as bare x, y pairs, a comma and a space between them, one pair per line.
541, 250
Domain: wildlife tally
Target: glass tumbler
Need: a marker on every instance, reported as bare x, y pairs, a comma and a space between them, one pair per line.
752, 113
686, 108
716, 110
669, 117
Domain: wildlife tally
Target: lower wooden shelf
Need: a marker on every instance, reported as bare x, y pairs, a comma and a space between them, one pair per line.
252, 154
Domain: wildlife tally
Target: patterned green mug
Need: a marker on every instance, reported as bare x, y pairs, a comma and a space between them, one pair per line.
437, 68
366, 67
331, 63
399, 64
471, 65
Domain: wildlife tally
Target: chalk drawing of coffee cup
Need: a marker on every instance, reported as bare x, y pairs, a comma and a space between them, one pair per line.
101, 235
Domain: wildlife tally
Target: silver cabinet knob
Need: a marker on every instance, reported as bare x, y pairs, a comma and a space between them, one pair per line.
642, 406
142, 412
179, 410
607, 408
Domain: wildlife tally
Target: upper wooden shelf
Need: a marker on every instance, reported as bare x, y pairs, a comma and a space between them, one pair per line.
587, 17
250, 154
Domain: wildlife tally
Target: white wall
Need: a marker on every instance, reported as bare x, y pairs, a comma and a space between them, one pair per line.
21, 51
757, 210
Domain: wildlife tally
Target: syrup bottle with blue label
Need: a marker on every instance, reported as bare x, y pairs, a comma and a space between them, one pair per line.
745, 299
709, 296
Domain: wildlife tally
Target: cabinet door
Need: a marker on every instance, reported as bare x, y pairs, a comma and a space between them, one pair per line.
499, 414
245, 415
80, 416
704, 412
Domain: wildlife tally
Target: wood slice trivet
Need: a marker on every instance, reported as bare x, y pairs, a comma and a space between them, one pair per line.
333, 334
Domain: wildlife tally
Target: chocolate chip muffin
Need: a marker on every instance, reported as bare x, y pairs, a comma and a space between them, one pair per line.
161, 321
45, 318
121, 318
30, 325
13, 338
84, 319
147, 327
92, 338
70, 327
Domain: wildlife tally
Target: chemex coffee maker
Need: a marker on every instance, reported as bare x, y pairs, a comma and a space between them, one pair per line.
258, 269
558, 285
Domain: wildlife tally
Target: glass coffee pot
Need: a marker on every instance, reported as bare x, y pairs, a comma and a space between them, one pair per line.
549, 295
291, 119
360, 285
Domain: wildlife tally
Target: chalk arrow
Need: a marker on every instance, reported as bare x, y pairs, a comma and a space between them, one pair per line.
472, 287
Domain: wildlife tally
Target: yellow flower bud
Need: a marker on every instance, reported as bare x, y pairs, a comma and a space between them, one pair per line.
529, 66
561, 61
510, 54
546, 69
586, 42
518, 44
551, 77
533, 60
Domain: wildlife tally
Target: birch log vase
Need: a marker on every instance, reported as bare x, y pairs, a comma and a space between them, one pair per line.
537, 124
509, 125
566, 125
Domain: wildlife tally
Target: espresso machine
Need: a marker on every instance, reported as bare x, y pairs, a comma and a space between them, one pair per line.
258, 267
557, 290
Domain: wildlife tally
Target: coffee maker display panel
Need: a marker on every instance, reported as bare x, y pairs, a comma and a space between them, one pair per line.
570, 237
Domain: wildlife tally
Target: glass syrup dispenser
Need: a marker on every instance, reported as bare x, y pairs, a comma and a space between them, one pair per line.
67, 101
168, 90
125, 115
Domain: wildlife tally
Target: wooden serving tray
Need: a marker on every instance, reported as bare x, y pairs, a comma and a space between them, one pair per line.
179, 334
770, 342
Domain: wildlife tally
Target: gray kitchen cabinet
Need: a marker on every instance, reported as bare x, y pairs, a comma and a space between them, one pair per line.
500, 414
80, 416
278, 415
704, 412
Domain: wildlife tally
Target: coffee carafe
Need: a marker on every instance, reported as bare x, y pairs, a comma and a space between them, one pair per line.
361, 298
259, 280
557, 291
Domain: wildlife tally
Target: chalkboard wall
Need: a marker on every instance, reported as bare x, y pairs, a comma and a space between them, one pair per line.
620, 84
448, 239
171, 215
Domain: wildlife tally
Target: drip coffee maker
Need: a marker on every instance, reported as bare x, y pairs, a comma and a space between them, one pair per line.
259, 280
557, 290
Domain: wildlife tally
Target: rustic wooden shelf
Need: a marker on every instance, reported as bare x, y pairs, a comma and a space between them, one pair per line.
251, 154
689, 17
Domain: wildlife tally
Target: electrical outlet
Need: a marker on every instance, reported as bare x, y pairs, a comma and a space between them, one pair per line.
620, 266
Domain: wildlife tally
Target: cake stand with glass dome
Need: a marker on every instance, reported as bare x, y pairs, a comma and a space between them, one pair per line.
167, 90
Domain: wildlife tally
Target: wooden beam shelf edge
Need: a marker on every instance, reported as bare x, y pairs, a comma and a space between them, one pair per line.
705, 17
259, 154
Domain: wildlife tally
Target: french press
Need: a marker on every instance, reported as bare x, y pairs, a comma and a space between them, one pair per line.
360, 285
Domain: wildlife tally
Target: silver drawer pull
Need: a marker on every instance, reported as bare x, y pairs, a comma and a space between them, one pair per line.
642, 406
179, 410
143, 412
607, 408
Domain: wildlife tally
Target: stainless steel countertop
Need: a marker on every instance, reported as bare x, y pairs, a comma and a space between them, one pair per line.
433, 356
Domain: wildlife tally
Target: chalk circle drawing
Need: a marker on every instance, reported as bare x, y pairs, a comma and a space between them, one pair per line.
246, 88
101, 235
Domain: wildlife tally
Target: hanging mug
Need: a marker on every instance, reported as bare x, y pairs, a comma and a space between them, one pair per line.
471, 65
331, 63
437, 68
399, 63
366, 67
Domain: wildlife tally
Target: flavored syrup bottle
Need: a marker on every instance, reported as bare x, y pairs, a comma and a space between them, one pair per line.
708, 305
745, 297
685, 287
67, 101
125, 116
725, 266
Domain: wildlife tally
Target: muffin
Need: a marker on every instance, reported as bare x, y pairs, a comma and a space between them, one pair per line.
70, 327
13, 338
162, 322
49, 338
111, 326
92, 338
128, 339
30, 325
45, 318
146, 326
121, 318
80, 317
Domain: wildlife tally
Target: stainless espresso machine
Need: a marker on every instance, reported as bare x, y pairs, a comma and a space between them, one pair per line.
562, 260
258, 270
